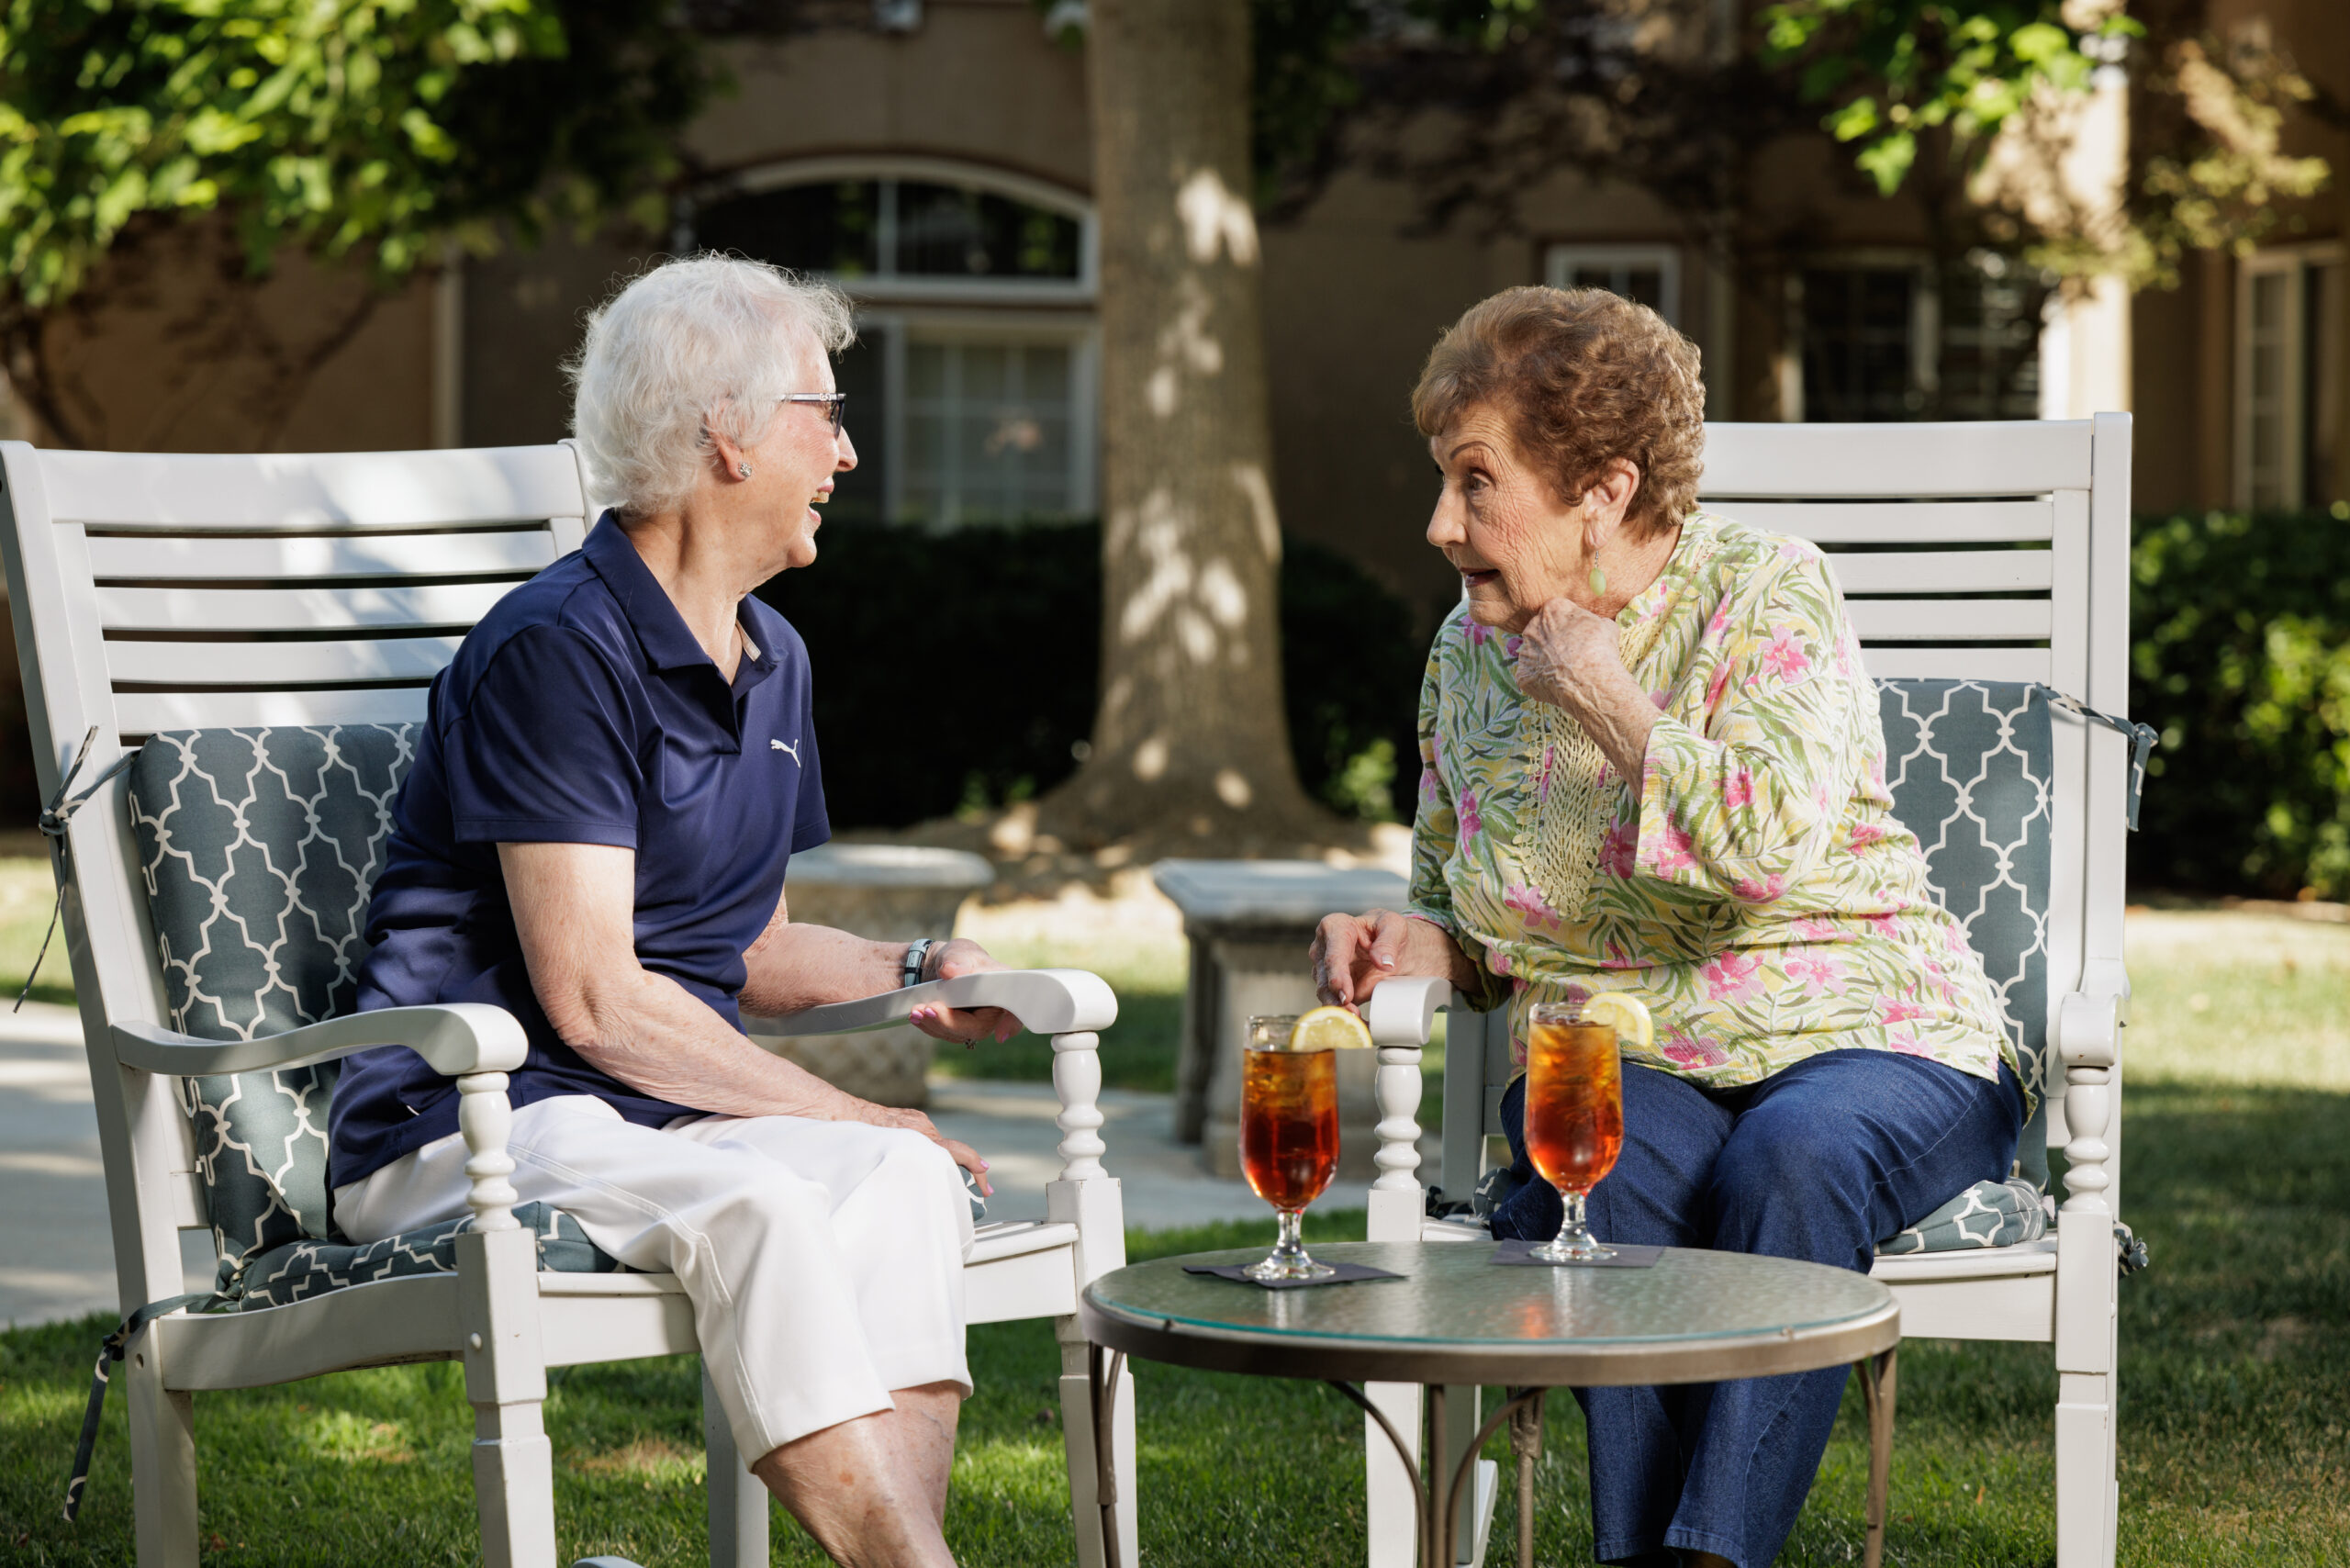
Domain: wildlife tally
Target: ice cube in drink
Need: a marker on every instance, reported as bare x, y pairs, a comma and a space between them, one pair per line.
1289, 1124
1574, 1102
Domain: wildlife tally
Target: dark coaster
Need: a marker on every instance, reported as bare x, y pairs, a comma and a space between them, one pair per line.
1627, 1257
1347, 1274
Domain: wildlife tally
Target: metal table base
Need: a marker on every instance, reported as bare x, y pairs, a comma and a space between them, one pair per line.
1436, 1513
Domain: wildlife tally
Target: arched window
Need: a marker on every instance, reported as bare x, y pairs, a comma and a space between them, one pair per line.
972, 385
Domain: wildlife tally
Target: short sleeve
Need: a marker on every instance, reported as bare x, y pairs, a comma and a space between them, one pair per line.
546, 747
810, 824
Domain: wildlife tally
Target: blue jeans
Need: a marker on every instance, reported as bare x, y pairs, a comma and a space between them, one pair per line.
1817, 1162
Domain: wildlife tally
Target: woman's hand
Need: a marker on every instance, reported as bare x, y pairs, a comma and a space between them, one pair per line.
1571, 659
964, 1026
915, 1122
1352, 953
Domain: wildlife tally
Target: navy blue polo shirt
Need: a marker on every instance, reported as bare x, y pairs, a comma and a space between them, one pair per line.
580, 711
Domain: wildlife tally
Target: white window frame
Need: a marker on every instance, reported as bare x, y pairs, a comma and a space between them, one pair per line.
2293, 262
1560, 262
887, 285
1080, 333
987, 309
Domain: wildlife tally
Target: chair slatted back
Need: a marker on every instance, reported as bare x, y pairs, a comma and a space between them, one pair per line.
1989, 551
155, 592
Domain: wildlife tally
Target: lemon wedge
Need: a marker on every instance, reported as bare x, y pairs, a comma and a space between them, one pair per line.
1626, 1013
1329, 1028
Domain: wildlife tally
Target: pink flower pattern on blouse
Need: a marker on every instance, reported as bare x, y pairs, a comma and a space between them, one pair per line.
1755, 888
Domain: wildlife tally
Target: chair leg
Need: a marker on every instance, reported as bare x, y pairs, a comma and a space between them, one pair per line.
2085, 1470
1076, 1435
163, 1460
738, 1500
1390, 1520
505, 1382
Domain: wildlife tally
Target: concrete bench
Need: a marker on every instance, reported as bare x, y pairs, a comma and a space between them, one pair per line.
890, 892
1249, 923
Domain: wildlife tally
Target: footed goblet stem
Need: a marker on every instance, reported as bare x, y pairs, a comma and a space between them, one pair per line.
1288, 1260
1574, 1242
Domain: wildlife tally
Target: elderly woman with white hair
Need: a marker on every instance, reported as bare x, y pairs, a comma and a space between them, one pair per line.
614, 771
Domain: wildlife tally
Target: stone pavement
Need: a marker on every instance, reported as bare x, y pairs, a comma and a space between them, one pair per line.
57, 1258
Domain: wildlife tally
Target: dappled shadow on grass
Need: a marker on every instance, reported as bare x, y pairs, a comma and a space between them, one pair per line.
2235, 1388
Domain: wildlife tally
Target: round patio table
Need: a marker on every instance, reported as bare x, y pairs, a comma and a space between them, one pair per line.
1456, 1317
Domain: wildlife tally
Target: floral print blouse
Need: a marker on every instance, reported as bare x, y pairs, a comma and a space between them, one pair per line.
1756, 892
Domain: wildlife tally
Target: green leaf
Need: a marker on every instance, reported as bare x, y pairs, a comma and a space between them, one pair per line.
1887, 160
1854, 120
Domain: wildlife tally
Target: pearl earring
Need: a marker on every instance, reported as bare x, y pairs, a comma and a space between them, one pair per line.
1599, 583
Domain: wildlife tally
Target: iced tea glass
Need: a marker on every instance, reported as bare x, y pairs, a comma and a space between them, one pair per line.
1289, 1138
1574, 1115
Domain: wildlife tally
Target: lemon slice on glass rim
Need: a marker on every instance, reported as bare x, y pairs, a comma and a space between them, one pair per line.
1329, 1028
1628, 1014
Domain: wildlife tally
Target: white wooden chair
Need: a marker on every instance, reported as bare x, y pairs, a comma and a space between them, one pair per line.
167, 593
2030, 520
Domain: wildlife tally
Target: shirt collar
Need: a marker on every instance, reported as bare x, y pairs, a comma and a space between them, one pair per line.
1690, 552
660, 631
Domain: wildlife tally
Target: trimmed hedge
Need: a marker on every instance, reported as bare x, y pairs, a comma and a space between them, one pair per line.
958, 671
2241, 659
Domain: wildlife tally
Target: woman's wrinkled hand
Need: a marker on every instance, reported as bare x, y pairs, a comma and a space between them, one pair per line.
964, 1026
963, 1154
1572, 659
1567, 656
1352, 953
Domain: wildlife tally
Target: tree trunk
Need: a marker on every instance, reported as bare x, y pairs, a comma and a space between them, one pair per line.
171, 344
1191, 745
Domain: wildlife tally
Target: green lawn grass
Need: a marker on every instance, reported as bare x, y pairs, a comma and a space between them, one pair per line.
2235, 1375
27, 893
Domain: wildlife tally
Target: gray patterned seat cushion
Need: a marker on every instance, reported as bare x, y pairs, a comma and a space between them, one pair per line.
1988, 1213
260, 849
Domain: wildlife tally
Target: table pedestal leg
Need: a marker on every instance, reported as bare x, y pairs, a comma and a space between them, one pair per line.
1877, 1392
1105, 1434
1525, 1444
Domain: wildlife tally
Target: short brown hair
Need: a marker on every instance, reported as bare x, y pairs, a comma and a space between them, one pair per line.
1582, 377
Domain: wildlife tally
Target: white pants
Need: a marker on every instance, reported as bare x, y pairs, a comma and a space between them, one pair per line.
823, 1259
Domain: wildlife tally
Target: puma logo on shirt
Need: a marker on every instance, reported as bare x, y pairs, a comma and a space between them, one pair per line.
791, 751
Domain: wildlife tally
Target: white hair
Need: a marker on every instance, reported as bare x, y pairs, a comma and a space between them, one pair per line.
687, 349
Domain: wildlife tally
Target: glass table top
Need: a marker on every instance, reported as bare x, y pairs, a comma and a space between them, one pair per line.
1451, 1295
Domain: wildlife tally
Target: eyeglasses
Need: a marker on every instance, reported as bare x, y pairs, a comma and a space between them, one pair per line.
834, 402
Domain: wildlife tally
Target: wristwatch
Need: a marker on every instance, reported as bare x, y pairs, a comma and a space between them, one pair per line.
916, 952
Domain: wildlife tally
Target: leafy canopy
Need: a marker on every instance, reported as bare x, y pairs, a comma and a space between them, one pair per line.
367, 127
1894, 68
1890, 68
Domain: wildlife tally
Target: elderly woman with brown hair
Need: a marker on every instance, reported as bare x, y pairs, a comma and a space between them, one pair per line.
1652, 762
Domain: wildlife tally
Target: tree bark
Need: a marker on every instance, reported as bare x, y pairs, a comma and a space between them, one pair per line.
1191, 743
173, 345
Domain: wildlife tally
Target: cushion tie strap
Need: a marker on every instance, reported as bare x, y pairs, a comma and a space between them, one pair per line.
2142, 739
111, 1350
53, 821
2132, 1252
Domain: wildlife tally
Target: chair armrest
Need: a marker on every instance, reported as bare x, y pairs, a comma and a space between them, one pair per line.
1050, 1001
457, 1038
2089, 1029
2088, 1038
1402, 1011
472, 1042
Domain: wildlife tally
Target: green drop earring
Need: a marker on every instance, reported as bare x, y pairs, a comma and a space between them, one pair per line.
1599, 583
